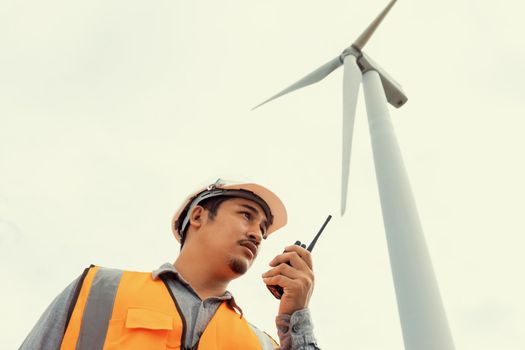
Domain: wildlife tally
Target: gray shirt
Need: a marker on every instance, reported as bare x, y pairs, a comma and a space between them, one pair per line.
295, 331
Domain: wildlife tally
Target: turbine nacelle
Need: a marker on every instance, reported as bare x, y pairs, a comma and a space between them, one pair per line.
393, 91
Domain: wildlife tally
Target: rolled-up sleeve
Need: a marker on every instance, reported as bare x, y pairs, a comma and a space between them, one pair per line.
296, 331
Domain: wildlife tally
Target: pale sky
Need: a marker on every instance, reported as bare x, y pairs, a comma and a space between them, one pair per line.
111, 112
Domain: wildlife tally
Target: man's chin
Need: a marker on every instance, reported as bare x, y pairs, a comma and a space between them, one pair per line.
238, 266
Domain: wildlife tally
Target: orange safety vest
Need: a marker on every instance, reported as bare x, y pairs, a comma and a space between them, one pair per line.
118, 309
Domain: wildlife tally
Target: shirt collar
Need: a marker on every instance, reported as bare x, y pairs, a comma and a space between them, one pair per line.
167, 269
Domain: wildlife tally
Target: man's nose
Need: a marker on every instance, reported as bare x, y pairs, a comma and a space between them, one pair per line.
255, 233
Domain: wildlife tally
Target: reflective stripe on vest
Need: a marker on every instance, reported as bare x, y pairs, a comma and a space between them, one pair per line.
129, 310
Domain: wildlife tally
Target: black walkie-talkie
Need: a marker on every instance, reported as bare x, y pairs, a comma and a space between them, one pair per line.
277, 291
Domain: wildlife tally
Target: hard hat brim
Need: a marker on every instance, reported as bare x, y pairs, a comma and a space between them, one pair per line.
274, 203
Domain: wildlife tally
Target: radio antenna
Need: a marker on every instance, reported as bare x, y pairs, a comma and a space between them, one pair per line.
312, 245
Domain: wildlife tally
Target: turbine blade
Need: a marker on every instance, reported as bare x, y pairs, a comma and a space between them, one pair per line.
317, 75
351, 81
369, 31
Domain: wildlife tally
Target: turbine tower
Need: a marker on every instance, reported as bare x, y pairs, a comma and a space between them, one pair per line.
423, 320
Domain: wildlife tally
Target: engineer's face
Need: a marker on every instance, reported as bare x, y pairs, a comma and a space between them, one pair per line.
235, 234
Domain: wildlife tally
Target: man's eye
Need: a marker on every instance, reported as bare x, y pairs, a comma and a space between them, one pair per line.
246, 214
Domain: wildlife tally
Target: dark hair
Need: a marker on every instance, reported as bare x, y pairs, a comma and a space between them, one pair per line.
211, 205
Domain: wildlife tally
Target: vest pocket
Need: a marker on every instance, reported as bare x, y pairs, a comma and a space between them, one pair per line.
142, 329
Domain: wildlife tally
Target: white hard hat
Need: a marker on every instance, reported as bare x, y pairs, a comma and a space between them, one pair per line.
272, 206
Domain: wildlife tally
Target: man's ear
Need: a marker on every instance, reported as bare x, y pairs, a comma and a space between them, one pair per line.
197, 216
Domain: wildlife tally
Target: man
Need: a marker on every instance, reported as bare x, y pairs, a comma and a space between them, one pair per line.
186, 305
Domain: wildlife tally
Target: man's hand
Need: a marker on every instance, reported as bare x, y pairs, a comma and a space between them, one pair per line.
296, 279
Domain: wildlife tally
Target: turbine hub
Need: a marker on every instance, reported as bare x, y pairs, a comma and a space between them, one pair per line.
350, 50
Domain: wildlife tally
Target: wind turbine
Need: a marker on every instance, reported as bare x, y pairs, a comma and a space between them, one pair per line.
421, 312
